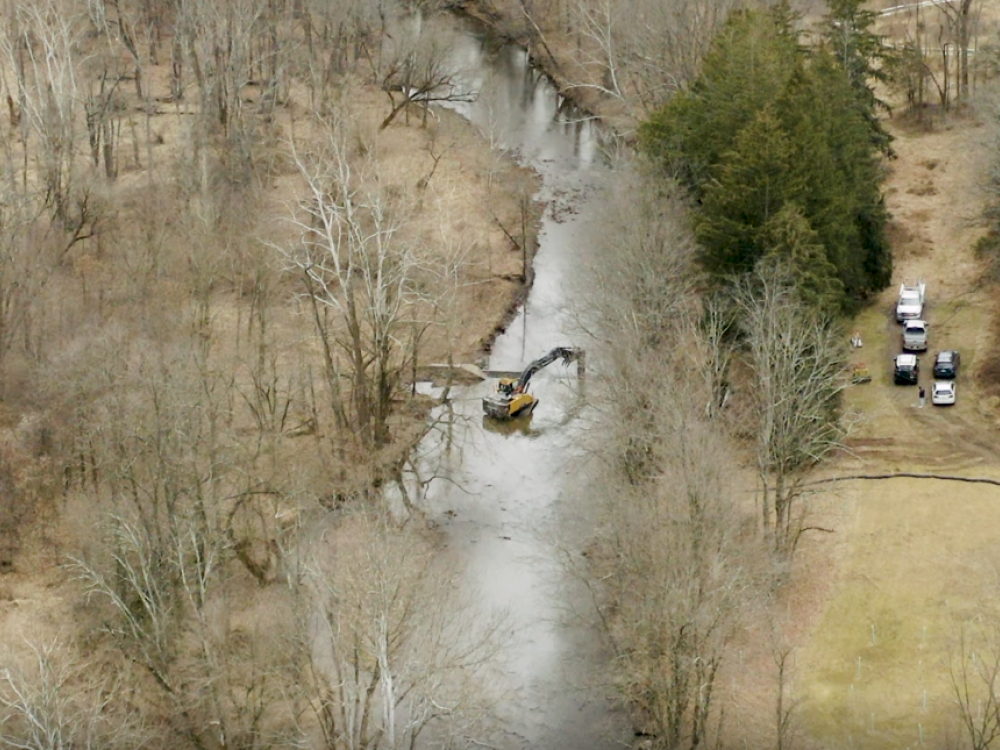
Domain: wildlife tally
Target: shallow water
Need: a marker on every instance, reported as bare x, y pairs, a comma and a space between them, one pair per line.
507, 492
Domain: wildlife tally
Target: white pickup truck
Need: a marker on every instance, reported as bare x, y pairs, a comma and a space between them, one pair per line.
914, 336
911, 301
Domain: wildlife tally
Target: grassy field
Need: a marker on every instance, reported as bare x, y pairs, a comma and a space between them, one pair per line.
917, 563
921, 562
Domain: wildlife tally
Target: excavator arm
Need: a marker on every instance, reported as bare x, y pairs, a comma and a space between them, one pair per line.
565, 353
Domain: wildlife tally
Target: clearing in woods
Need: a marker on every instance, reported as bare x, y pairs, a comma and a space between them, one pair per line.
912, 560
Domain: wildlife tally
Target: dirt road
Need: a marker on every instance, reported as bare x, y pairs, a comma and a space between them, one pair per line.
935, 203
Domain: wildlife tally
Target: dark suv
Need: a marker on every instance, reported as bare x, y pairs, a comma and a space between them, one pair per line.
906, 370
946, 365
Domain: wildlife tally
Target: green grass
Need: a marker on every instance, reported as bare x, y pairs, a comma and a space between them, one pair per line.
920, 562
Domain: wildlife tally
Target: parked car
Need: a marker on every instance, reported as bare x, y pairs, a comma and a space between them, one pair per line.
943, 393
914, 336
906, 370
946, 365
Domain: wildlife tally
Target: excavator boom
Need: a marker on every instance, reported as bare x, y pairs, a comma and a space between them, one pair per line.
565, 353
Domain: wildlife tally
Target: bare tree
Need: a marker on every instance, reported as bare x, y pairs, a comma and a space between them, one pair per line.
131, 29
396, 659
417, 70
786, 703
989, 246
913, 72
357, 265
219, 38
33, 248
717, 349
235, 55
975, 670
635, 51
673, 575
50, 700
169, 612
38, 43
645, 306
798, 371
339, 35
672, 569
648, 289
963, 21
600, 21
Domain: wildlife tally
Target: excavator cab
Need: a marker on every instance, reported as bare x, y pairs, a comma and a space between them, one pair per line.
505, 386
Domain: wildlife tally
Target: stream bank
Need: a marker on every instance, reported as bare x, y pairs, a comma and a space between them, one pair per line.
503, 494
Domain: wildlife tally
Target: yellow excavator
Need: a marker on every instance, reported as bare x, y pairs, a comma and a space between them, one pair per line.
510, 397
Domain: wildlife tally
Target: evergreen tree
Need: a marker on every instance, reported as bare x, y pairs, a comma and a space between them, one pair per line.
746, 69
865, 60
794, 245
842, 173
751, 184
769, 124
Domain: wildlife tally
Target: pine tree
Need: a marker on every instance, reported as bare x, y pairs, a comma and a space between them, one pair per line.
747, 69
794, 245
753, 182
768, 124
842, 171
864, 59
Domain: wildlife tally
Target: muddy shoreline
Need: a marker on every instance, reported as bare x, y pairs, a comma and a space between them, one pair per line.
494, 20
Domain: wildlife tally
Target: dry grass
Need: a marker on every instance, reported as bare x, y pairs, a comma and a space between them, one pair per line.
109, 287
921, 559
917, 556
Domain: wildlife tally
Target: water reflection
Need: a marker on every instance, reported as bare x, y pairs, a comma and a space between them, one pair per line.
518, 107
498, 488
508, 427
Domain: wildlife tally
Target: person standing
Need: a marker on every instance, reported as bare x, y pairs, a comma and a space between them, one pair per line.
923, 397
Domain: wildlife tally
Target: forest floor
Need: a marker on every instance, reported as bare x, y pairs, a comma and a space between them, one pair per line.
462, 194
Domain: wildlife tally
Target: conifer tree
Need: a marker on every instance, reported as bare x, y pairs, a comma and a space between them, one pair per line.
864, 59
842, 173
747, 68
751, 184
768, 124
795, 246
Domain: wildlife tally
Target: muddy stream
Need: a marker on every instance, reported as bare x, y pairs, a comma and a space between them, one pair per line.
507, 490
